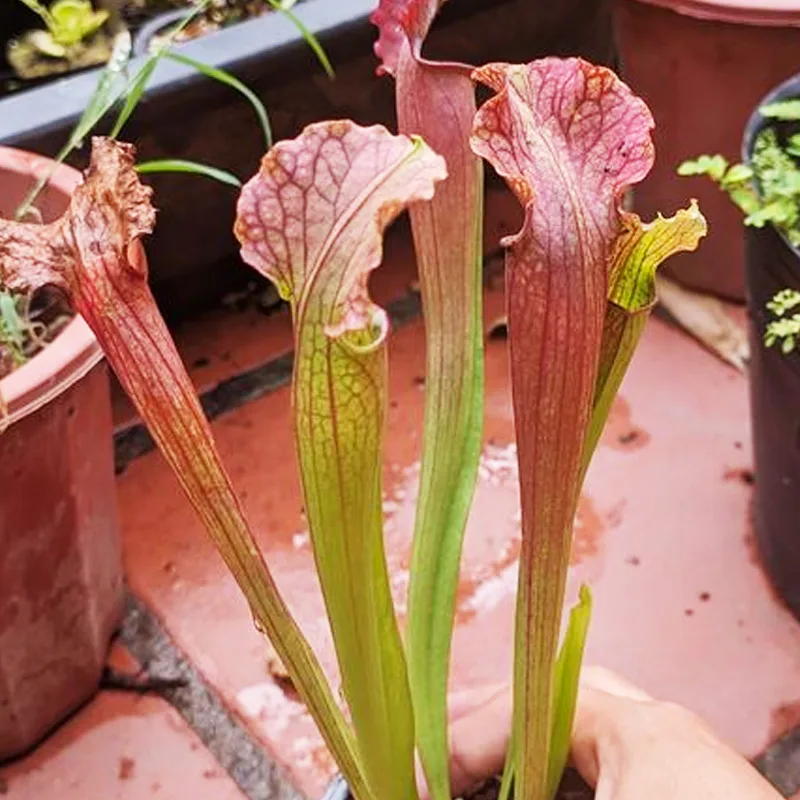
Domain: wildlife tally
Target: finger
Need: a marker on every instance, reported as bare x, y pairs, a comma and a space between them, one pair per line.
603, 699
479, 739
480, 719
470, 701
605, 680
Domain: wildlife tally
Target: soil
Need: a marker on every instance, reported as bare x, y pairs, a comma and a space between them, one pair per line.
43, 317
572, 788
220, 14
16, 19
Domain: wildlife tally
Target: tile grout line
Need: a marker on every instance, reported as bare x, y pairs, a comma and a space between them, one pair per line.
134, 441
225, 736
780, 763
245, 759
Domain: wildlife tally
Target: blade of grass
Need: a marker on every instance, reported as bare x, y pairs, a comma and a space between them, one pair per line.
134, 94
507, 782
189, 167
109, 89
310, 39
142, 78
106, 94
41, 10
222, 76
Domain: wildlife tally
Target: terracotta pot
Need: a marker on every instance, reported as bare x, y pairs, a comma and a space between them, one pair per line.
60, 563
773, 264
702, 66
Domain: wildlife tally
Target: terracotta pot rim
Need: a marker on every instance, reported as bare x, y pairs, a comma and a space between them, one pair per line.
773, 13
75, 351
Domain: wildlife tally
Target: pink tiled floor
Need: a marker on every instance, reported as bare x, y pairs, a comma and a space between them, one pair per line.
120, 747
662, 536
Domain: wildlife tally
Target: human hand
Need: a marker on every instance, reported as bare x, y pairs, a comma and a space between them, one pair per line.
625, 744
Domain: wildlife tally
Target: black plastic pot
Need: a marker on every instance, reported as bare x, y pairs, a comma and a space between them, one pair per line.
193, 254
773, 264
160, 24
573, 787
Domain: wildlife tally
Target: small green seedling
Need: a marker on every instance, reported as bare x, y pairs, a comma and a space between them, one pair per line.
69, 23
786, 328
767, 191
12, 327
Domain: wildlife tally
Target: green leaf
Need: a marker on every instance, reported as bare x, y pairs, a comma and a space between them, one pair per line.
779, 213
772, 169
738, 173
110, 87
785, 329
11, 326
565, 687
191, 167
138, 85
438, 103
638, 252
75, 20
41, 10
134, 94
736, 180
311, 40
713, 166
785, 110
744, 197
507, 780
784, 301
340, 185
226, 78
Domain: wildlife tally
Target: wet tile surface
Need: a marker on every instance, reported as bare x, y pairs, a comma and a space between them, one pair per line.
662, 535
121, 746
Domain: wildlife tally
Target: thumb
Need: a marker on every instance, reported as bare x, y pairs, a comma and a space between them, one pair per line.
599, 697
480, 723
